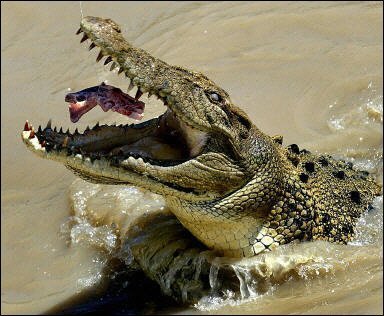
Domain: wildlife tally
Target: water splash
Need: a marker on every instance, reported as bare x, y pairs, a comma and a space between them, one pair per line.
104, 216
369, 228
361, 110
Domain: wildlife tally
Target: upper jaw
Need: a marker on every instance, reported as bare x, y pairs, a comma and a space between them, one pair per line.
183, 91
148, 74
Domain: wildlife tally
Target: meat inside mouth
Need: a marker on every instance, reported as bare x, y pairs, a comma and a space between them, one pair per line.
108, 98
165, 140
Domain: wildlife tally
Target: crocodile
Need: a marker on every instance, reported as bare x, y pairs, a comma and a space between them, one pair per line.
237, 190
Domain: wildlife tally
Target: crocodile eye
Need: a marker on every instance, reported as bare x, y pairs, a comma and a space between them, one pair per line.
80, 98
215, 97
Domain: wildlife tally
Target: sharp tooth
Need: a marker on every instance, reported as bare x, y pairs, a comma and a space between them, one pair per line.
76, 131
96, 126
55, 129
92, 46
32, 134
49, 123
78, 31
85, 37
113, 66
61, 130
130, 87
26, 126
101, 55
87, 129
67, 132
138, 94
108, 60
120, 70
39, 129
65, 142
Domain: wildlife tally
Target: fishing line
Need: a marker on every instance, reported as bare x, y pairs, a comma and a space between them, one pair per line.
81, 10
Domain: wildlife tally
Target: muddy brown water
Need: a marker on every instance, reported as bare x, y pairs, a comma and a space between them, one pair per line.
307, 70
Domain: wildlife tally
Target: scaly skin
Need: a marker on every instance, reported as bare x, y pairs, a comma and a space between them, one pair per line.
237, 190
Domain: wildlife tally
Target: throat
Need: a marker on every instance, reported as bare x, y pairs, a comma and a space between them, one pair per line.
228, 237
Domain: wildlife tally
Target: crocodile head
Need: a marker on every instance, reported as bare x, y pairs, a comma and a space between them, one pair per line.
197, 150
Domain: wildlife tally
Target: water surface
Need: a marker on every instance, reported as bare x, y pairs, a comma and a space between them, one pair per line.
309, 71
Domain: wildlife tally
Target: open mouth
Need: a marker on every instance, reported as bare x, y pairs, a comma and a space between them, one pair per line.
165, 140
